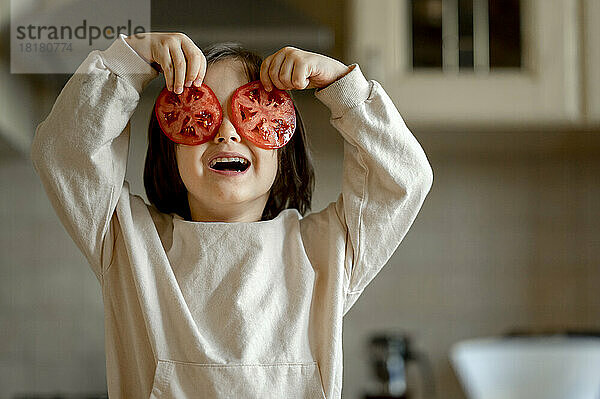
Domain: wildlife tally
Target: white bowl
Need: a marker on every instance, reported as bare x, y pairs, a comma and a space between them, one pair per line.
552, 367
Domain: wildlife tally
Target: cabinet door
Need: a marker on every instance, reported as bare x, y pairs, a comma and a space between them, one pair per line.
545, 89
591, 41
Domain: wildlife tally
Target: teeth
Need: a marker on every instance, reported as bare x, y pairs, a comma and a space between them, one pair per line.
214, 161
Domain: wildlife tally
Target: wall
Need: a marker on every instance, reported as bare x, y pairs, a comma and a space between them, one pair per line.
51, 315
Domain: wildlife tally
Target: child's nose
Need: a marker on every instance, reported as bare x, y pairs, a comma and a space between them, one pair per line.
226, 132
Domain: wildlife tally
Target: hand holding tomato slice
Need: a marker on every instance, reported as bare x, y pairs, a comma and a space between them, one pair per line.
176, 55
293, 69
261, 111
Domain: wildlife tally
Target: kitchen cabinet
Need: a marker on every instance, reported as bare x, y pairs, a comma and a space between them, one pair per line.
556, 81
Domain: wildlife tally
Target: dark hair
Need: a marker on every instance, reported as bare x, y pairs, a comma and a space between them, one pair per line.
294, 182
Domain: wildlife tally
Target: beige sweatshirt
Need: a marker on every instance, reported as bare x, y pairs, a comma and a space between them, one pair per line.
214, 309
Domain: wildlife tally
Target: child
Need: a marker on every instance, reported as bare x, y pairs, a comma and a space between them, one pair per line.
232, 293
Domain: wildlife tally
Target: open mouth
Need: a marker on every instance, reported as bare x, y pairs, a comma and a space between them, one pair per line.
229, 164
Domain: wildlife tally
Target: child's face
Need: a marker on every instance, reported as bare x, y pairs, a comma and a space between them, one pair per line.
218, 197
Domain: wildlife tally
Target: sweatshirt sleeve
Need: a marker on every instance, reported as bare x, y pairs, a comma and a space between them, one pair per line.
386, 176
80, 149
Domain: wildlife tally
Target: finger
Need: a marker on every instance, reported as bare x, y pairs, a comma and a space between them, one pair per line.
179, 66
193, 57
201, 71
300, 75
264, 73
285, 73
161, 54
274, 70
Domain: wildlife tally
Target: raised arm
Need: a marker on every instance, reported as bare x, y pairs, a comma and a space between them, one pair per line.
80, 150
386, 176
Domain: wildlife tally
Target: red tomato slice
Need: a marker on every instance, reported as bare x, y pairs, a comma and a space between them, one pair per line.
192, 117
267, 119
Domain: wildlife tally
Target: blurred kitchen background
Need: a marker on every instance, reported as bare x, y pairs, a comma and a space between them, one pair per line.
504, 97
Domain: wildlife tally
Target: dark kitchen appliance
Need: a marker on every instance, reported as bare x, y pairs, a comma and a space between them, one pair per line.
390, 356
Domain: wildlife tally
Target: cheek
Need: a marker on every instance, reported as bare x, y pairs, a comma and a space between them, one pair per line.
267, 169
181, 163
181, 168
188, 162
275, 162
273, 166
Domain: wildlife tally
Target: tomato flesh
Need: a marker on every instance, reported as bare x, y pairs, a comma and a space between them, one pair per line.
267, 119
192, 117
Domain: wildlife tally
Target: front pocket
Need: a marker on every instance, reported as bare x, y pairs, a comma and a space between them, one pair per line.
180, 380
